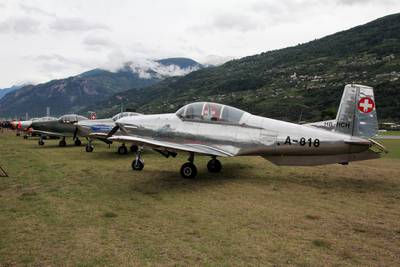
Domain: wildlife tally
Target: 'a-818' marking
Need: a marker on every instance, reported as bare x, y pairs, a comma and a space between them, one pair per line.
303, 141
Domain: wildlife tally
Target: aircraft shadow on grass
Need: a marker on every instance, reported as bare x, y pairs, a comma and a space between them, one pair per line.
163, 180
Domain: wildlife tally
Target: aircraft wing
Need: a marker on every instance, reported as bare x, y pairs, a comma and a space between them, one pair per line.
48, 133
155, 144
98, 135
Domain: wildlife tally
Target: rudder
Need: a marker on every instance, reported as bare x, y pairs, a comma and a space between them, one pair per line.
357, 112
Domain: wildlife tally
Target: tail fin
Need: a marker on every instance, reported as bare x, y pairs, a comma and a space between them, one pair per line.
357, 112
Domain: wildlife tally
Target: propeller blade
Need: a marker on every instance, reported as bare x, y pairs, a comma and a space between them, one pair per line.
75, 133
113, 131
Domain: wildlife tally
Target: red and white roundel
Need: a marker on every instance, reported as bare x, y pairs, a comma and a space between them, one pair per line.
366, 105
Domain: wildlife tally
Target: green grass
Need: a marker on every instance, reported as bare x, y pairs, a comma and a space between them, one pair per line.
397, 133
66, 207
393, 146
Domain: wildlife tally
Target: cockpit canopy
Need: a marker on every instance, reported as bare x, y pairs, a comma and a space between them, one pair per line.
44, 119
124, 114
211, 112
71, 118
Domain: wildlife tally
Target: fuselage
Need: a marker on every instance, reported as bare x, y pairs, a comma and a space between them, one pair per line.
101, 126
253, 135
63, 126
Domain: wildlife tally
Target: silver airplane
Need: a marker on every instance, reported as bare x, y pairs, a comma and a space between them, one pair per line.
218, 130
102, 129
61, 127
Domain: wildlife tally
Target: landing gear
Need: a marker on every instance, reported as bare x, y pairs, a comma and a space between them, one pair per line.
41, 142
138, 163
89, 148
134, 148
78, 142
25, 137
188, 169
122, 150
18, 134
62, 142
214, 165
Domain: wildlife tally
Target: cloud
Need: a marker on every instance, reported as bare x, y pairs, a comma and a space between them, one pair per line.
53, 63
20, 25
356, 2
97, 42
144, 67
75, 25
235, 22
35, 10
215, 60
229, 23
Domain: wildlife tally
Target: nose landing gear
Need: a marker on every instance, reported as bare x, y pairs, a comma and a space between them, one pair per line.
138, 163
89, 147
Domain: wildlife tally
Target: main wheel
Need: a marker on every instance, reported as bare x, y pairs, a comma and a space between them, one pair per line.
62, 143
78, 142
25, 137
214, 165
188, 170
41, 142
89, 148
138, 165
122, 150
134, 148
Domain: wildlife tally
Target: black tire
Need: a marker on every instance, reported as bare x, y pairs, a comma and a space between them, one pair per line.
122, 150
138, 165
214, 165
89, 148
62, 143
78, 142
134, 148
188, 170
41, 142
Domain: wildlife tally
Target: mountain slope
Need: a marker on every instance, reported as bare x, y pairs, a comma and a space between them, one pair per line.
5, 91
73, 93
307, 79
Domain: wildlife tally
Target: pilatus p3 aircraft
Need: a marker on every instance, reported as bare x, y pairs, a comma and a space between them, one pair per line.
222, 131
102, 129
61, 127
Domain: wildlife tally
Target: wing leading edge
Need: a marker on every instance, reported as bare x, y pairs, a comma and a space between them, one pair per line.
155, 144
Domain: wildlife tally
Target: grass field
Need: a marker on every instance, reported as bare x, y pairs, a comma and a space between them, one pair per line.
390, 133
66, 207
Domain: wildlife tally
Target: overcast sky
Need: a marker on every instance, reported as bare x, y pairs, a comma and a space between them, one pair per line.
47, 39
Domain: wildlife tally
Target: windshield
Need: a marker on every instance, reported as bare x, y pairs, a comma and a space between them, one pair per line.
210, 112
124, 114
70, 118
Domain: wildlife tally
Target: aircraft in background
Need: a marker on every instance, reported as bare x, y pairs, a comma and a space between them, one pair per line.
62, 127
218, 130
102, 129
26, 126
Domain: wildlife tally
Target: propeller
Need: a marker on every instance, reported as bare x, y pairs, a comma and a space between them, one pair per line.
75, 133
113, 131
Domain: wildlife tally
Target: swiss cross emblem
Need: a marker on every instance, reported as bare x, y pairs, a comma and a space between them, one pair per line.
366, 105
